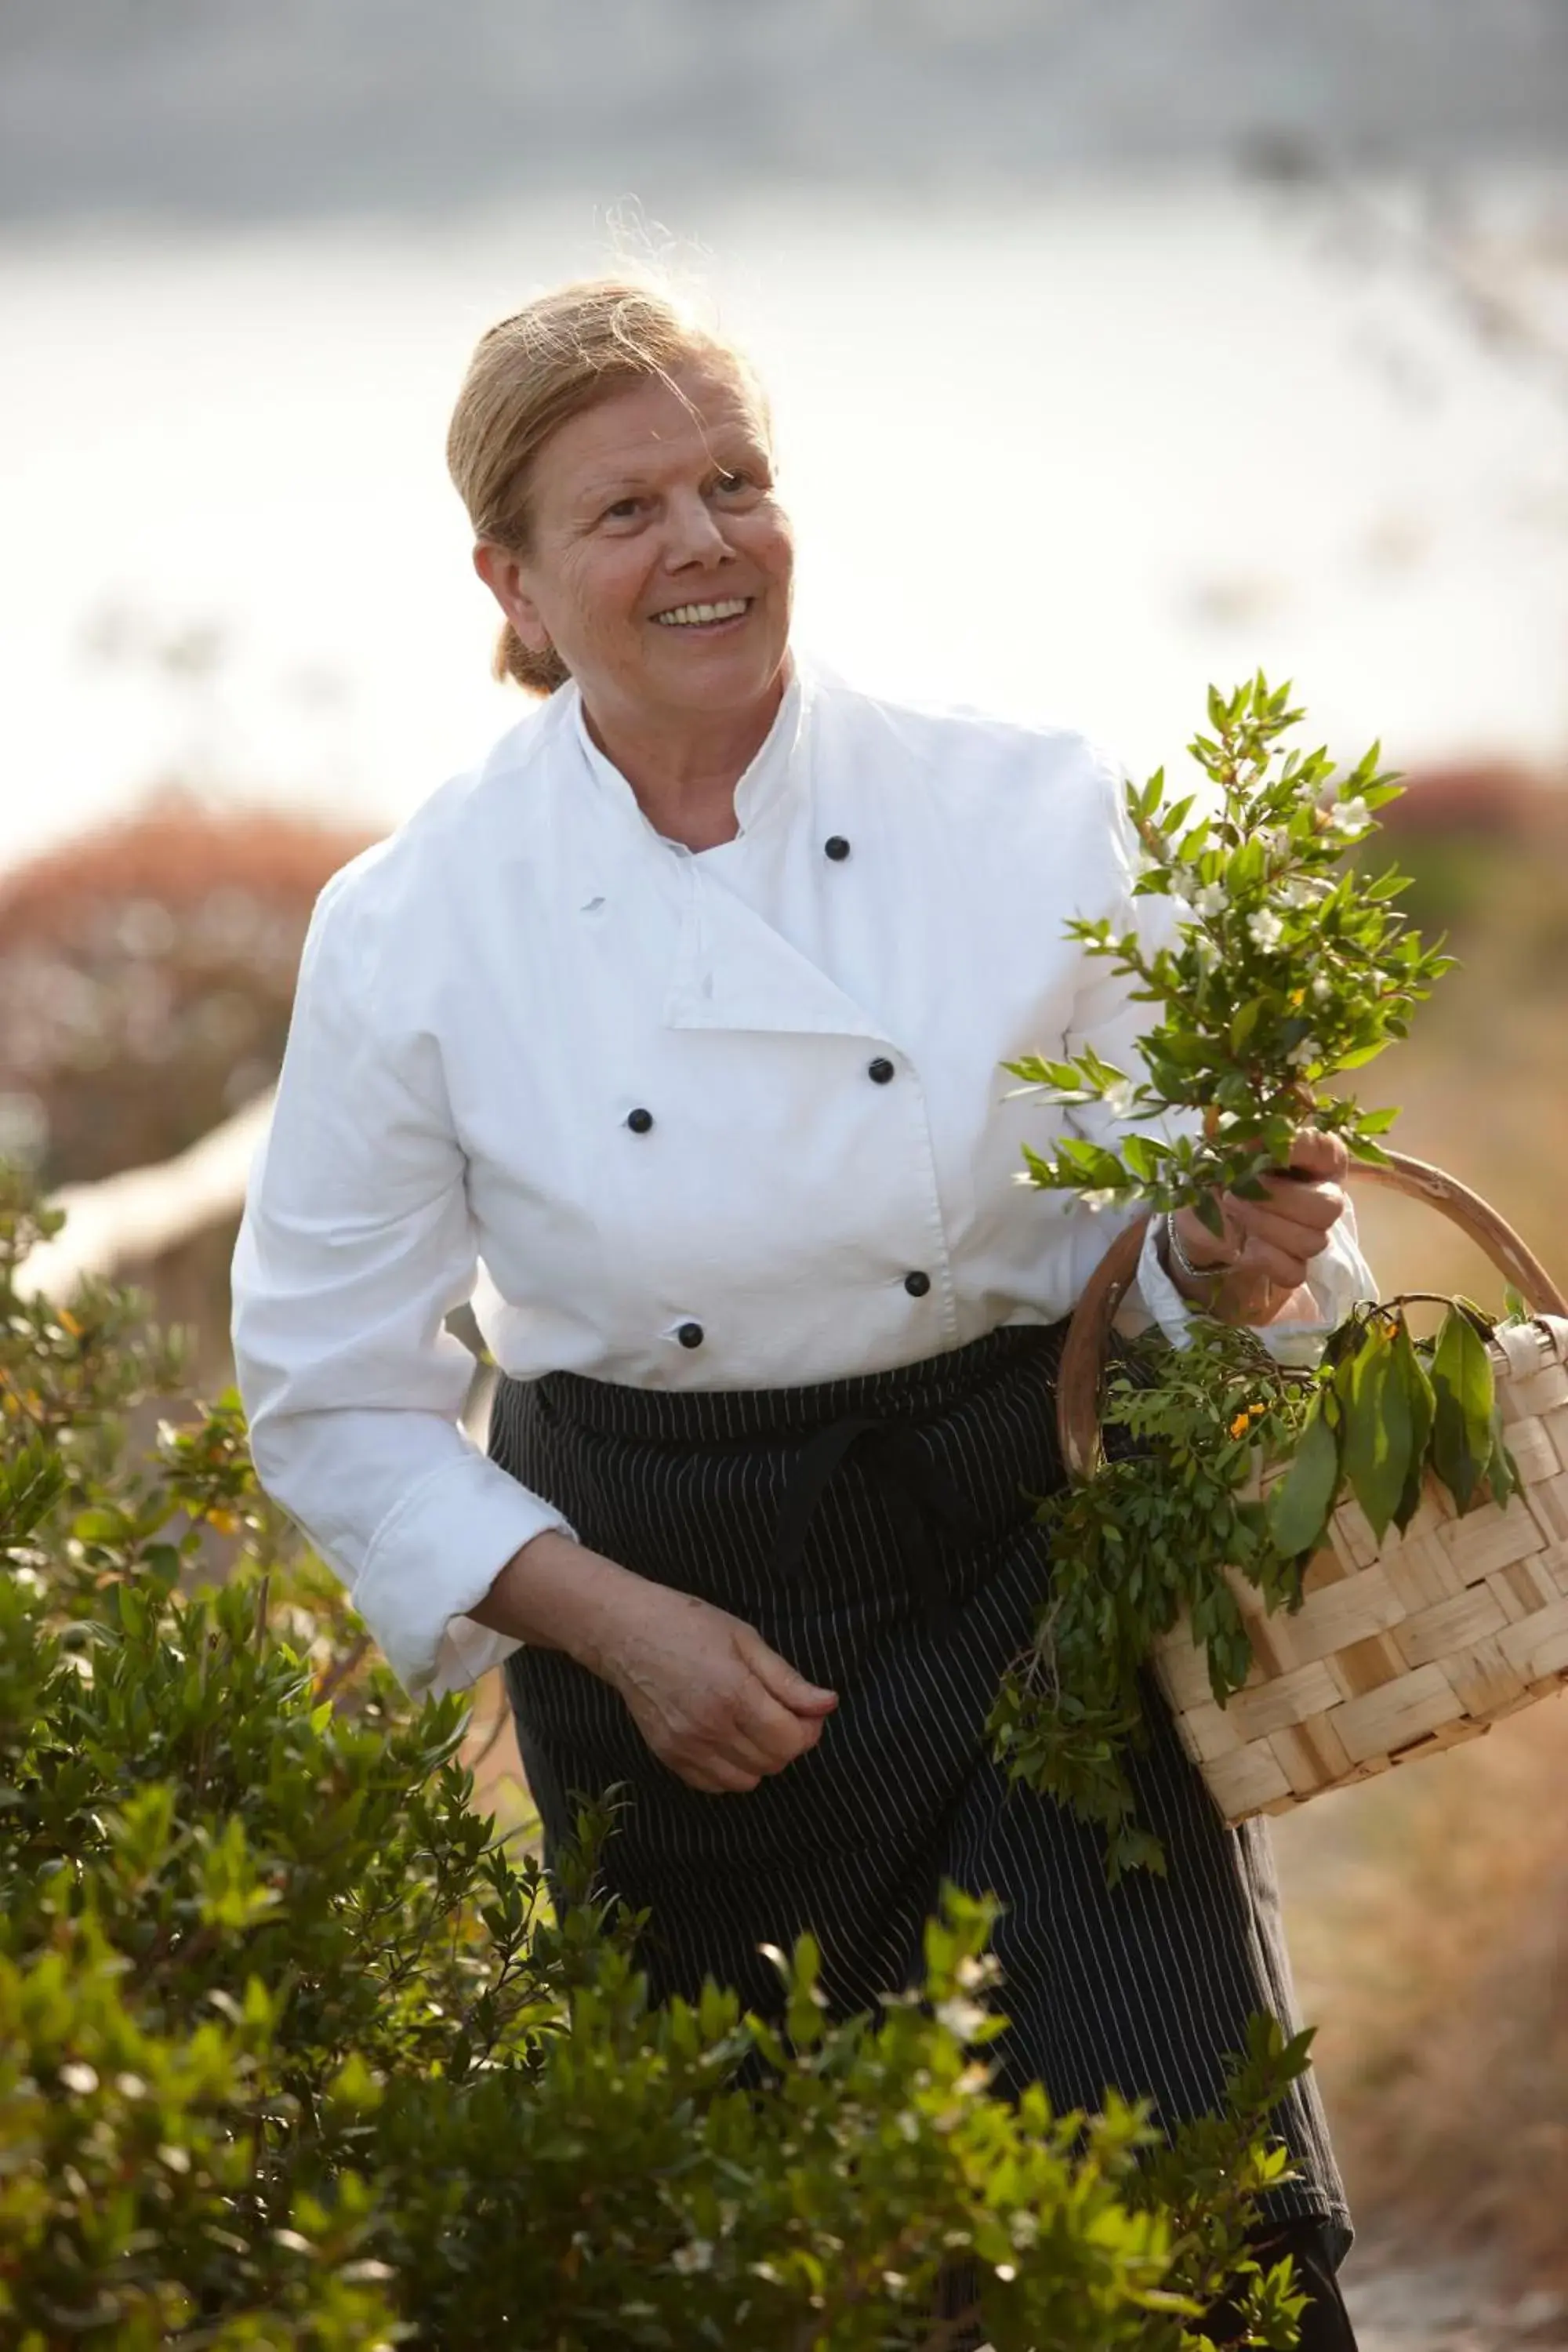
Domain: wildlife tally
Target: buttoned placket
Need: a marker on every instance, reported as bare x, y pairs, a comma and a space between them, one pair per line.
769, 985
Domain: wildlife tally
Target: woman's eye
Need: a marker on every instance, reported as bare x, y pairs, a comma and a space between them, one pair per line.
622, 511
730, 486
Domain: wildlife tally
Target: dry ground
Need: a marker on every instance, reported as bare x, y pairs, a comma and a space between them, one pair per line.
1401, 2304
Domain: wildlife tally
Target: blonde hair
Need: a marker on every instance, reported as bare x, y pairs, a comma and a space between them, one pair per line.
560, 354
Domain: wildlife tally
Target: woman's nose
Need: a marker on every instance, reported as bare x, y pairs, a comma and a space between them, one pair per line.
693, 535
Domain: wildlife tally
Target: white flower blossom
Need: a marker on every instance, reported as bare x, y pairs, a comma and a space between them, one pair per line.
1322, 988
78, 2075
1264, 929
1210, 900
960, 2016
1119, 1099
1097, 1198
1351, 817
695, 2255
1023, 2228
1307, 1050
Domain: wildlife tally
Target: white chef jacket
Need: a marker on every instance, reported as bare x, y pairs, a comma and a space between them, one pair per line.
729, 1118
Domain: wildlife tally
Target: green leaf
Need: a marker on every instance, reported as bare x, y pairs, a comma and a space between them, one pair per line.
29, 1485
1245, 868
1036, 1071
103, 1525
1421, 1405
1245, 1021
1090, 1163
1300, 1506
1503, 1471
1142, 1155
1465, 1393
1379, 1431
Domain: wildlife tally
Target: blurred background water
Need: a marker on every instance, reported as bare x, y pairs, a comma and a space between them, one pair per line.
1117, 345
1115, 348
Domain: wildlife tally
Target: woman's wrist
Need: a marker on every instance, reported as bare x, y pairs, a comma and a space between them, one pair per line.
1181, 1255
556, 1594
1229, 1291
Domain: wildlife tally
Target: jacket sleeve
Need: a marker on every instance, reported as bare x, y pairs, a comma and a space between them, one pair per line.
1106, 1018
356, 1242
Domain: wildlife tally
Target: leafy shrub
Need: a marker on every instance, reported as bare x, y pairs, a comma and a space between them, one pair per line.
295, 2052
1289, 970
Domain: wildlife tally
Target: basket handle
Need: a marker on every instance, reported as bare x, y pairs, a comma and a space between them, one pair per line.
1088, 1331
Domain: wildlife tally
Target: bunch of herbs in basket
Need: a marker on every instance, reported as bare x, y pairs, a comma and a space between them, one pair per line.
1286, 969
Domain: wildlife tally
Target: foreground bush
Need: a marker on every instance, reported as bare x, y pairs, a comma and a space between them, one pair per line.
294, 2054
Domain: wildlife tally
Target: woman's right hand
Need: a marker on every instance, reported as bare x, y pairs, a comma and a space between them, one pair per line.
711, 1699
713, 1702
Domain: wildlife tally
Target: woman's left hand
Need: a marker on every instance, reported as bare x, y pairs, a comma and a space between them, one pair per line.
1268, 1246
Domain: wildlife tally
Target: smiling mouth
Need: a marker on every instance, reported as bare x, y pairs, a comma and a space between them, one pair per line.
704, 616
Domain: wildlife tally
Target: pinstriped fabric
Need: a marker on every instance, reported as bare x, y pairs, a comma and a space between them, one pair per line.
1145, 1988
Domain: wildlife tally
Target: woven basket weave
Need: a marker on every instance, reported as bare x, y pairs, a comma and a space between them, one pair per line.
1400, 1650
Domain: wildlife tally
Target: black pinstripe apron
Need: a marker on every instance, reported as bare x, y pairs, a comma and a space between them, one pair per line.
877, 1531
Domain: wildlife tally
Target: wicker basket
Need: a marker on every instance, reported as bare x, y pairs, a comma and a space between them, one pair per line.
1399, 1650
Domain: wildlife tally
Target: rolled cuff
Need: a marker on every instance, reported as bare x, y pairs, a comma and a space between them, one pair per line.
1339, 1276
434, 1558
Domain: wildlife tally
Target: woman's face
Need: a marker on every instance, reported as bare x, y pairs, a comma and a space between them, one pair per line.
659, 563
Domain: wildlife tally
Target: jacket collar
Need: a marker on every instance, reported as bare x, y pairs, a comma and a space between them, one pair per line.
766, 783
729, 968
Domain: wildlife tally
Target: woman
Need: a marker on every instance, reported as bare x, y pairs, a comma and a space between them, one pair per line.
682, 1017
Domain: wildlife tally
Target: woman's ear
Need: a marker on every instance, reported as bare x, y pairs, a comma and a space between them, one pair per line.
501, 570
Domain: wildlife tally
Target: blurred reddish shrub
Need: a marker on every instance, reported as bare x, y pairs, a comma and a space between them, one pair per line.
1491, 797
146, 975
